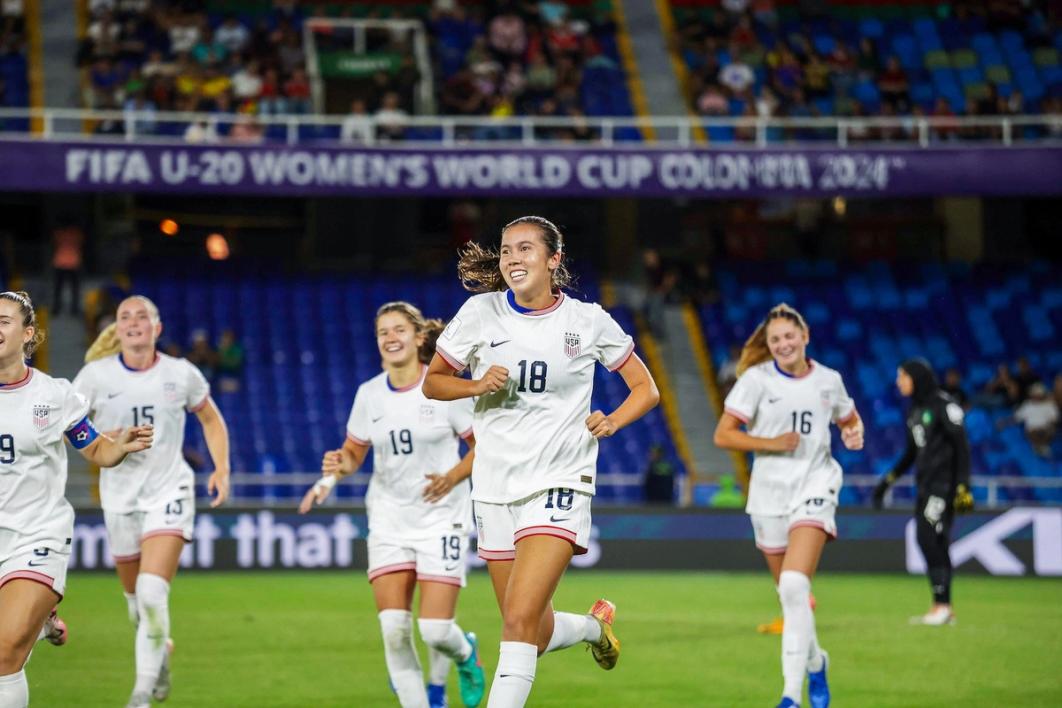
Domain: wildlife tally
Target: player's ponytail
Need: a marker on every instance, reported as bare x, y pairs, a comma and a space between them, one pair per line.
479, 268
429, 329
432, 329
29, 318
756, 350
106, 344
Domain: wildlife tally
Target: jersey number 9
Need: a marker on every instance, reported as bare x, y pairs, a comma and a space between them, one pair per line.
7, 449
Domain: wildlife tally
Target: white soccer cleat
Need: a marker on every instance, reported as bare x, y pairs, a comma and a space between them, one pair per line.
54, 630
162, 684
937, 617
139, 700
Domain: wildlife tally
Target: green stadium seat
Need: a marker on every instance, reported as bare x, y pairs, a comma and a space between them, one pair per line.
998, 75
937, 59
1046, 56
963, 59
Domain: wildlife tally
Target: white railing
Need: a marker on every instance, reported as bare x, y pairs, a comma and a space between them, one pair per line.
284, 489
448, 131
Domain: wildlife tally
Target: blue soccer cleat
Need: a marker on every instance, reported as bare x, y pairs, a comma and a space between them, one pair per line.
436, 696
788, 702
818, 689
470, 675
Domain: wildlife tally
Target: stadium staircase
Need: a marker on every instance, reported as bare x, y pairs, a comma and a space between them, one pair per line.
58, 48
660, 92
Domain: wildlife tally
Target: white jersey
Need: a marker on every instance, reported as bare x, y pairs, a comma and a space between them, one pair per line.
411, 437
771, 402
159, 395
34, 415
532, 435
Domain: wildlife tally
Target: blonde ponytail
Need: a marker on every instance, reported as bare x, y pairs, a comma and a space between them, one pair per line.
756, 350
106, 344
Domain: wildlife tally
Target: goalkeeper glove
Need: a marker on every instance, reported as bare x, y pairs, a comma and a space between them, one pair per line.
964, 500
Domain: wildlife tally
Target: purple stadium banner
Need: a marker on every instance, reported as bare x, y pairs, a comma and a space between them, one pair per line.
334, 170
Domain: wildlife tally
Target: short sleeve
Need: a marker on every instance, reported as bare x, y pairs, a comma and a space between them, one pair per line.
844, 406
358, 422
459, 341
85, 384
459, 414
744, 397
75, 406
198, 389
612, 347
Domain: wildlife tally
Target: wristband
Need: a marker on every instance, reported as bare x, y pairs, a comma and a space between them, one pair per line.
327, 482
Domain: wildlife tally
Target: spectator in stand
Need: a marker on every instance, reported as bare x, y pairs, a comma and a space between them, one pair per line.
140, 113
1026, 378
712, 101
270, 101
232, 35
953, 387
247, 84
867, 59
245, 129
184, 30
390, 118
357, 125
789, 74
727, 374
104, 81
200, 354
659, 483
201, 131
68, 242
893, 85
297, 93
816, 77
742, 37
842, 69
104, 33
1001, 390
291, 55
230, 362
1039, 415
1056, 390
944, 129
507, 35
208, 51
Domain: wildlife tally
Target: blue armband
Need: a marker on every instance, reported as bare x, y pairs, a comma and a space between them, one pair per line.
82, 434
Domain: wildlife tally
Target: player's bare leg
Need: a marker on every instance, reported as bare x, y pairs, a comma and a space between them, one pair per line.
127, 571
26, 604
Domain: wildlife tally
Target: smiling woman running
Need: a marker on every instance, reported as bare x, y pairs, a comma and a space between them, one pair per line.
532, 351
786, 403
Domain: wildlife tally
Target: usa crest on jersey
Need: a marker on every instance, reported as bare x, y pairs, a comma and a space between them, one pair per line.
572, 345
169, 391
41, 416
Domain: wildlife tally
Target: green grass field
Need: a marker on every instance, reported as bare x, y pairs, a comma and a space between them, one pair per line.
311, 639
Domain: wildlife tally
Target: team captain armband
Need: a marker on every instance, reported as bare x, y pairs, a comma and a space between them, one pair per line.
82, 434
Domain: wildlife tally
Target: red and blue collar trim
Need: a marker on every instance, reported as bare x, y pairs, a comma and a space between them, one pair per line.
783, 372
510, 297
410, 387
121, 360
20, 383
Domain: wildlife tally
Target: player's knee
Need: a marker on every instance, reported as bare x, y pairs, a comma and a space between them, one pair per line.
13, 654
435, 632
794, 588
521, 624
396, 627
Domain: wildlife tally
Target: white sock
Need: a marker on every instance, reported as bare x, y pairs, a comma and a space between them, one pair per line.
570, 629
14, 691
131, 608
515, 674
439, 666
794, 590
153, 606
815, 656
445, 636
403, 665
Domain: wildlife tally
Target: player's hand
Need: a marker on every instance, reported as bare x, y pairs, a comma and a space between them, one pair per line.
218, 485
964, 500
135, 439
494, 380
879, 492
934, 509
318, 493
600, 425
852, 437
786, 442
439, 485
334, 463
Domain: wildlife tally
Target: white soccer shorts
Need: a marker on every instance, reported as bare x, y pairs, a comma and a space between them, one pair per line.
772, 532
126, 531
435, 560
41, 564
559, 512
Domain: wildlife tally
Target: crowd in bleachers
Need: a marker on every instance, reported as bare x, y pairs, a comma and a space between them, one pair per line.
14, 84
752, 59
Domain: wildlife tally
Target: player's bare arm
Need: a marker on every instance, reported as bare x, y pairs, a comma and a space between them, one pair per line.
643, 397
216, 433
107, 451
730, 436
443, 384
439, 485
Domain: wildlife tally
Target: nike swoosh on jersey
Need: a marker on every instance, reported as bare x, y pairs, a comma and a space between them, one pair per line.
33, 564
112, 395
377, 419
556, 520
498, 344
774, 400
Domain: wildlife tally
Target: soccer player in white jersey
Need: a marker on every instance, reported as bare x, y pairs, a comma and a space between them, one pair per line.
532, 350
36, 521
420, 513
786, 402
149, 501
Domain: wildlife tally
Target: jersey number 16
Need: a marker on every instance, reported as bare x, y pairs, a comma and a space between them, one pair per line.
802, 422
